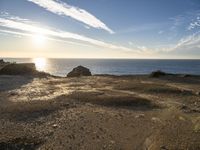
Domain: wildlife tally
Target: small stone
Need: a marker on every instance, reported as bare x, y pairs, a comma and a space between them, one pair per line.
66, 105
154, 119
88, 104
163, 147
181, 118
13, 93
112, 142
183, 106
104, 147
197, 93
140, 116
100, 129
71, 136
54, 125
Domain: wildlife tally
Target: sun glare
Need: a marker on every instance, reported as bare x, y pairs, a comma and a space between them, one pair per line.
40, 63
39, 40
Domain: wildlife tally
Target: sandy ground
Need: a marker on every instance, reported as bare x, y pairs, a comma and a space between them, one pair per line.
100, 112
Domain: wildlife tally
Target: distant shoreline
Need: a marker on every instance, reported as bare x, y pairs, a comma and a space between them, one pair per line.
117, 67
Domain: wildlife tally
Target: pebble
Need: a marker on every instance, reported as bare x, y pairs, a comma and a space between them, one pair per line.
183, 106
140, 116
54, 125
163, 147
112, 142
154, 119
197, 93
13, 93
181, 118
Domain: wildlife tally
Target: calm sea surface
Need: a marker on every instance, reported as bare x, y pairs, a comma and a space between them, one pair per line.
61, 67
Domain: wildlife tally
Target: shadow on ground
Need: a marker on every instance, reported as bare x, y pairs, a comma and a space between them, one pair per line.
30, 111
115, 101
21, 143
191, 79
13, 82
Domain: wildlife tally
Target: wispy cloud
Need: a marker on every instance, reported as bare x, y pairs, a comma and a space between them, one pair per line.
183, 46
177, 21
190, 42
21, 34
64, 9
140, 28
28, 27
194, 24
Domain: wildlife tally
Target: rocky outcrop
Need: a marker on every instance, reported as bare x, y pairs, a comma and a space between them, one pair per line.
2, 61
157, 74
19, 69
79, 71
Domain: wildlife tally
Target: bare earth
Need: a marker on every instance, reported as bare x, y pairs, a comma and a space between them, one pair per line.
100, 112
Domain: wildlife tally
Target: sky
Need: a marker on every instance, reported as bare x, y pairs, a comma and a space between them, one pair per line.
161, 29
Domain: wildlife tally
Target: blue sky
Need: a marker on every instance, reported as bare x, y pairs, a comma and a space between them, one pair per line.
100, 29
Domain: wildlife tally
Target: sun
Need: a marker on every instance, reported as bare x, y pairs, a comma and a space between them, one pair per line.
39, 40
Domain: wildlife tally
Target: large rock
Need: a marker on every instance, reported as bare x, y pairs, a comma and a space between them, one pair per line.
157, 74
19, 69
79, 71
2, 61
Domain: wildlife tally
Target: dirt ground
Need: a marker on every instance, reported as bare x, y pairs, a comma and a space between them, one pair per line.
100, 112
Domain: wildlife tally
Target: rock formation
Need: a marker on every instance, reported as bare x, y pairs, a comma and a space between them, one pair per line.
157, 74
79, 71
19, 69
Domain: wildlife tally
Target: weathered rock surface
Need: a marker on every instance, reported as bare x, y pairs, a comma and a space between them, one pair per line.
18, 69
79, 71
2, 61
157, 74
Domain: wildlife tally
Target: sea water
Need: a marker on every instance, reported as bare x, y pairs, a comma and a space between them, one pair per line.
61, 67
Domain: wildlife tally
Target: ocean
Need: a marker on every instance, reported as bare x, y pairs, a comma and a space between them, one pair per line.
61, 67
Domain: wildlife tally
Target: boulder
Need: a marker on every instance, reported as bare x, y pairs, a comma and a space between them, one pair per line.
2, 61
19, 69
157, 74
79, 71
185, 75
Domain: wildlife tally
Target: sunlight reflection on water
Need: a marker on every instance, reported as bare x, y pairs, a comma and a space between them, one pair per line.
40, 63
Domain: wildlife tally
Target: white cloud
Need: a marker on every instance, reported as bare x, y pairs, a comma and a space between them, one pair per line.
79, 14
87, 27
26, 27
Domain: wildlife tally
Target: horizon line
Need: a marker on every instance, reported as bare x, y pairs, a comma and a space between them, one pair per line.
102, 58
